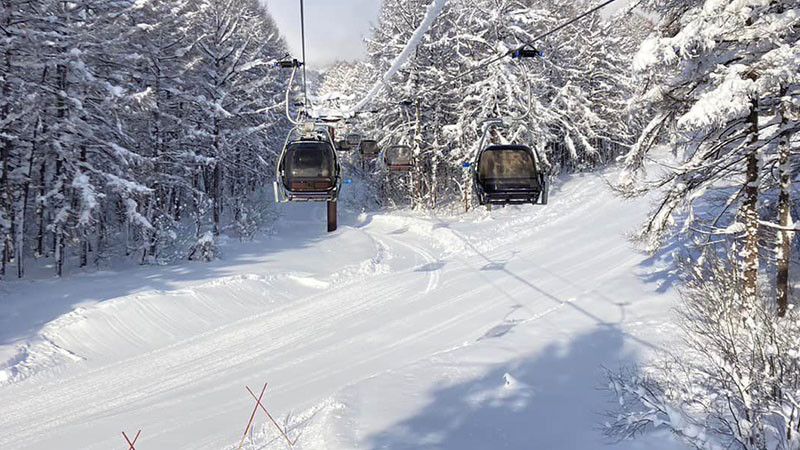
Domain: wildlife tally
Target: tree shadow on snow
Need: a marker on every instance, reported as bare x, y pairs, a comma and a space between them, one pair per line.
661, 268
548, 401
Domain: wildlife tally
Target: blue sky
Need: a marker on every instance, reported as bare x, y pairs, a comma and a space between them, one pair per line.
334, 28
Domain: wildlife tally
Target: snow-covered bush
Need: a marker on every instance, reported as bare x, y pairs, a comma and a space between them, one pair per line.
734, 383
204, 249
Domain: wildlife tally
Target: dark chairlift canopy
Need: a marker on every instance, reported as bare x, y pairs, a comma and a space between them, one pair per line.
309, 169
369, 148
508, 174
398, 158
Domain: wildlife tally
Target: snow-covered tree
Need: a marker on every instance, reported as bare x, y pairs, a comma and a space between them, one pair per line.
235, 91
159, 44
721, 85
106, 134
72, 136
574, 116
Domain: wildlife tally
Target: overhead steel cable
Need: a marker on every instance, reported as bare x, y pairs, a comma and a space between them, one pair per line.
567, 23
516, 50
303, 44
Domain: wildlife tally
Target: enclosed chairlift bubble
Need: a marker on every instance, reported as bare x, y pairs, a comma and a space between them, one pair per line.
353, 140
309, 168
369, 149
342, 146
507, 174
398, 158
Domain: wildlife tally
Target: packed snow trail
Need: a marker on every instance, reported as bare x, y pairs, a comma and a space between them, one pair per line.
397, 331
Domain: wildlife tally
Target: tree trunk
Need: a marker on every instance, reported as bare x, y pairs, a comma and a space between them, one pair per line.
749, 211
58, 241
6, 196
332, 216
784, 220
58, 249
5, 206
40, 211
42, 190
58, 234
83, 229
26, 189
157, 202
217, 182
148, 235
100, 247
416, 190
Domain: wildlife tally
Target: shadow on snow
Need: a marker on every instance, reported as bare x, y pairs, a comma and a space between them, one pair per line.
549, 400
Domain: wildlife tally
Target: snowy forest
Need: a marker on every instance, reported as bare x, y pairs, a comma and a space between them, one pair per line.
129, 124
146, 129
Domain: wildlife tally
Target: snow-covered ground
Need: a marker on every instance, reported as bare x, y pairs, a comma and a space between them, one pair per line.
399, 331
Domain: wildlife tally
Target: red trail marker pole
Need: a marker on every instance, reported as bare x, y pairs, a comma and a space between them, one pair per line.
258, 403
252, 415
130, 443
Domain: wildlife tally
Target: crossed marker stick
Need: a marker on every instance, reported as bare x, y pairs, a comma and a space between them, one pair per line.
253, 415
258, 404
130, 443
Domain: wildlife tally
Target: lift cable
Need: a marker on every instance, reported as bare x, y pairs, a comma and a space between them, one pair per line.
303, 43
565, 24
519, 52
525, 51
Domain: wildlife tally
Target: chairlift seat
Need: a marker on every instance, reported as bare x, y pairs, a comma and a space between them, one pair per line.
400, 167
310, 185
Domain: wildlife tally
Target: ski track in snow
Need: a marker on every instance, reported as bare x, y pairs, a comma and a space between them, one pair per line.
430, 261
416, 305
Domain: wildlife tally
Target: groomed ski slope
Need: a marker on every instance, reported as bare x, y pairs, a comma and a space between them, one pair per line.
399, 331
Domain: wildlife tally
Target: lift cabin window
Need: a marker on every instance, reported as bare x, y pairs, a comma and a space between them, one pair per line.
508, 168
310, 166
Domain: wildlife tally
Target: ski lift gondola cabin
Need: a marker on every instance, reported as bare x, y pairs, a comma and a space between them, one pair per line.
342, 146
398, 158
308, 168
369, 149
508, 174
353, 140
